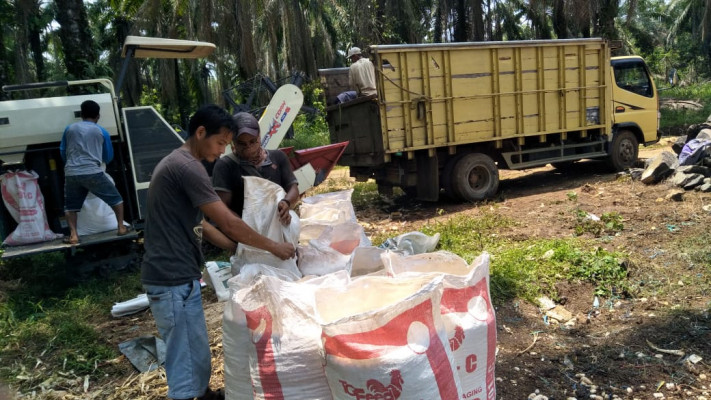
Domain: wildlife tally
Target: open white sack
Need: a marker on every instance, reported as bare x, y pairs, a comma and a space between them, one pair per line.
261, 197
272, 340
384, 339
467, 313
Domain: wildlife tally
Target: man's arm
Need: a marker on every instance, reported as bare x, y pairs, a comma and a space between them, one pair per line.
63, 145
108, 152
238, 231
214, 236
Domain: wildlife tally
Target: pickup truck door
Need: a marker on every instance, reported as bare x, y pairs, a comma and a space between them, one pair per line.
635, 96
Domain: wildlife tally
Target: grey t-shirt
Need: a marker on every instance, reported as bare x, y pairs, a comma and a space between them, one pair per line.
173, 231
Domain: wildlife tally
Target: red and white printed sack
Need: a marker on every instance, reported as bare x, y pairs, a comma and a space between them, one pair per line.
467, 314
384, 339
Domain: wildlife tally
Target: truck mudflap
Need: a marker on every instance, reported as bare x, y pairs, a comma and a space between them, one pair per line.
659, 137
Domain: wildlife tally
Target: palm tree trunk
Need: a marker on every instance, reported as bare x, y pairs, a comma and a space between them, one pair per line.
245, 41
706, 29
560, 25
477, 22
77, 42
4, 66
606, 14
460, 21
631, 12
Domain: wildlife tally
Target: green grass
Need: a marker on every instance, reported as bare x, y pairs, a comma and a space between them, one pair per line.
45, 316
310, 130
529, 268
682, 118
365, 194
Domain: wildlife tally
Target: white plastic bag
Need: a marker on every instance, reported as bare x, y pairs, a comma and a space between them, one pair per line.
412, 243
384, 339
25, 203
216, 275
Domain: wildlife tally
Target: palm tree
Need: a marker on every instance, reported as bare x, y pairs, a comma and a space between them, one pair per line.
77, 41
5, 64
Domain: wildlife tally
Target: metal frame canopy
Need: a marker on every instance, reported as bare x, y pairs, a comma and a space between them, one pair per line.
150, 47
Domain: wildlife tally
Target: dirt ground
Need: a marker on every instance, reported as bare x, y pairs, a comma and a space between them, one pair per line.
652, 344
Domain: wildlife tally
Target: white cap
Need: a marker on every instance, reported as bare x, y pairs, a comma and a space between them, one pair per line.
353, 51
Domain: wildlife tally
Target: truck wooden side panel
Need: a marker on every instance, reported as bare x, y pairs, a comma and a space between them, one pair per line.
452, 94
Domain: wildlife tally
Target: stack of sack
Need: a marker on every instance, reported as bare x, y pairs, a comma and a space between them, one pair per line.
356, 322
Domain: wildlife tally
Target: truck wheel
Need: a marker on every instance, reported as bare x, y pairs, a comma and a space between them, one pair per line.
447, 177
623, 151
475, 177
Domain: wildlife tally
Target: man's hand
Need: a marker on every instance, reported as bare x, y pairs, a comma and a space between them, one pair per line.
284, 251
283, 208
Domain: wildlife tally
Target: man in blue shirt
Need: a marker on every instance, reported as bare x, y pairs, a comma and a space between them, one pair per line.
85, 146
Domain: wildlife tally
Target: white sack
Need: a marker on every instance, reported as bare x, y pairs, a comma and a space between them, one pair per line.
272, 342
327, 209
261, 197
384, 339
331, 251
95, 215
25, 203
366, 260
467, 313
321, 260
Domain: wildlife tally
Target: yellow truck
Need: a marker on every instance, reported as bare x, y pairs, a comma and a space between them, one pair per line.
447, 117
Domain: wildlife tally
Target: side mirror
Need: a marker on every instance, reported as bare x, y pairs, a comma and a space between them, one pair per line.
673, 77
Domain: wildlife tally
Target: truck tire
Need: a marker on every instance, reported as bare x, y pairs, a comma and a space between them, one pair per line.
447, 177
475, 177
623, 151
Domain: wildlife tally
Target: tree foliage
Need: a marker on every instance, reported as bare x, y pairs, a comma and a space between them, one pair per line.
71, 39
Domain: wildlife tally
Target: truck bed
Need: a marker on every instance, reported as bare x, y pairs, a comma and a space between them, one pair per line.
59, 245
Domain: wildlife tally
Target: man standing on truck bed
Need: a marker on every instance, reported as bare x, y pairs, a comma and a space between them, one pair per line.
250, 159
180, 193
85, 146
361, 75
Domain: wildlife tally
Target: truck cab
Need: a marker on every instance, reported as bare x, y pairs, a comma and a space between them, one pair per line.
634, 98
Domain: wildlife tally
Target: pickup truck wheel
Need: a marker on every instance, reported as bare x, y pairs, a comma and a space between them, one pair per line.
475, 177
623, 151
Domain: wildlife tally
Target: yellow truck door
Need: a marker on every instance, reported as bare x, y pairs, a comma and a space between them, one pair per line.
634, 96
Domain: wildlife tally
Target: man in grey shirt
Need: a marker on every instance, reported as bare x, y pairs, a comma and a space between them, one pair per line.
180, 194
85, 146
